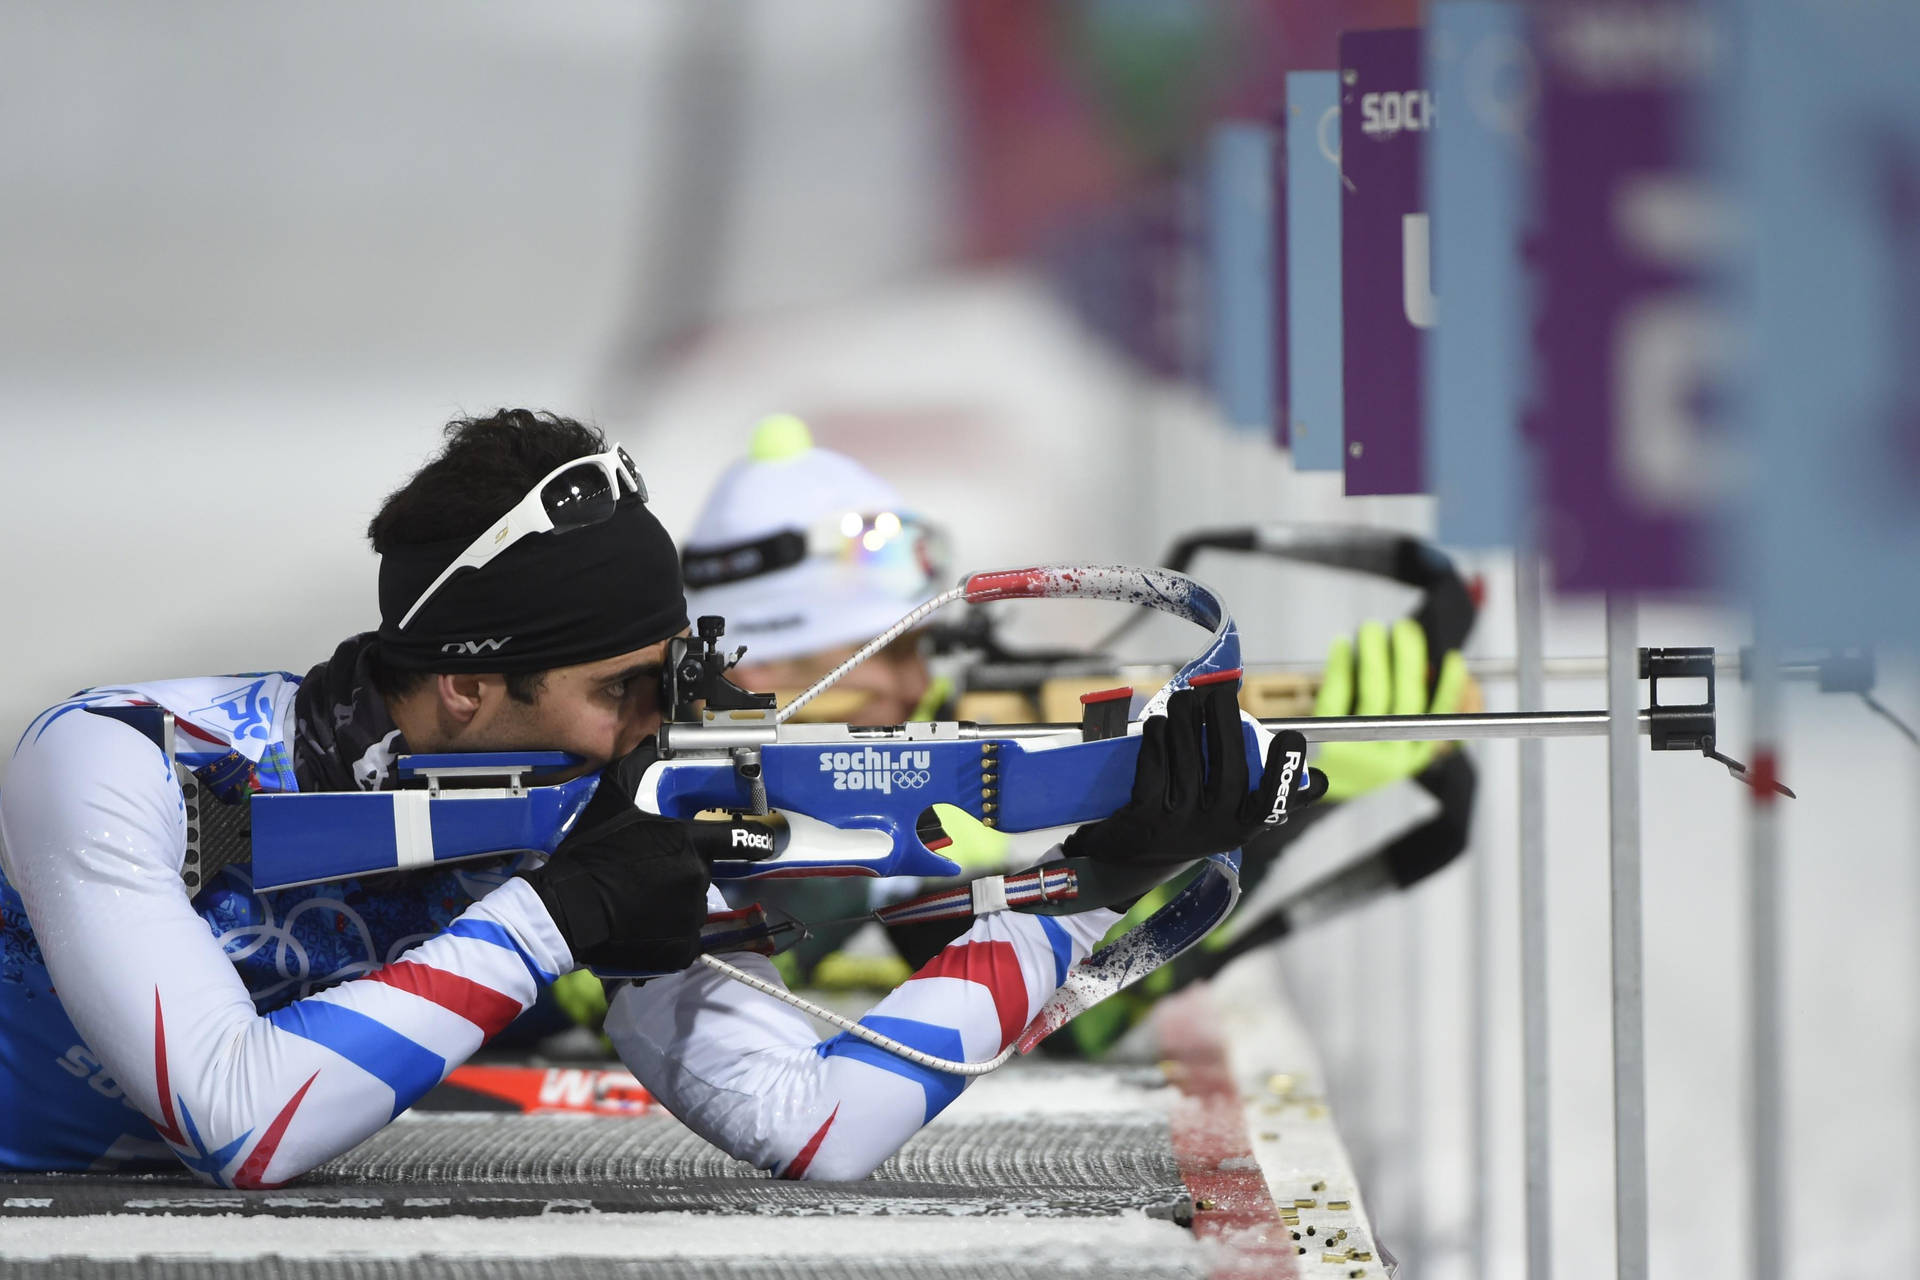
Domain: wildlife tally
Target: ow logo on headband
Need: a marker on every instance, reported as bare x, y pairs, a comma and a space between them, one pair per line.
882, 771
474, 648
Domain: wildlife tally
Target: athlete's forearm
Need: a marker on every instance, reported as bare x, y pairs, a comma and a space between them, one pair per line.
750, 1074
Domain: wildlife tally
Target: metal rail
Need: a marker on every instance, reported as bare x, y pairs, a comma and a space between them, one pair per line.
1452, 728
1571, 668
1596, 668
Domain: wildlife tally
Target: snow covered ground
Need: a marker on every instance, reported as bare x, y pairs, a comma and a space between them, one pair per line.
1236, 1103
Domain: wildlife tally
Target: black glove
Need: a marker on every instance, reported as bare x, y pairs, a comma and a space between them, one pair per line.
626, 889
1190, 795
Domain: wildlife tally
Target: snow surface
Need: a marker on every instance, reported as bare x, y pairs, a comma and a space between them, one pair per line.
1039, 1090
651, 1235
1264, 1036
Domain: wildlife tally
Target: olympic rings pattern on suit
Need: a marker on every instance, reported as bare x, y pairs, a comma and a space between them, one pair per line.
909, 779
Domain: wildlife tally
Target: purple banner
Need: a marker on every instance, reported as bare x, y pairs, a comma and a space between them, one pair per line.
1632, 350
1385, 285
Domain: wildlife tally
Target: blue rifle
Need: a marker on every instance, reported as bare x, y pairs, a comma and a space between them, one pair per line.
801, 799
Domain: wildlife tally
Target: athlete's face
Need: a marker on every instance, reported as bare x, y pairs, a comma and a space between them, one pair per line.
885, 689
600, 710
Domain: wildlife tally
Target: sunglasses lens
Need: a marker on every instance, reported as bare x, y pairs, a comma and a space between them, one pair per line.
579, 496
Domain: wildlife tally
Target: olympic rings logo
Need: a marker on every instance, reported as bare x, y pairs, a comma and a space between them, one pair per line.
910, 779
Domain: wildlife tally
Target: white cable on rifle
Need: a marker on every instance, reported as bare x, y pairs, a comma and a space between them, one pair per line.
851, 1027
870, 648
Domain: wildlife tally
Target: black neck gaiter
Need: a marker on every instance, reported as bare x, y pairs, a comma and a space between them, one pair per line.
343, 738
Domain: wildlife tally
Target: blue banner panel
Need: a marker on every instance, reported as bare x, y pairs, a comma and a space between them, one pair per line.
1478, 170
1240, 298
1313, 270
1824, 126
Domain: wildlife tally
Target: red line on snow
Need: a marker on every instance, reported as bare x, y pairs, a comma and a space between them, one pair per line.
1231, 1203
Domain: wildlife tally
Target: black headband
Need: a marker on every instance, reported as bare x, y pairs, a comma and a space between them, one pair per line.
549, 600
738, 561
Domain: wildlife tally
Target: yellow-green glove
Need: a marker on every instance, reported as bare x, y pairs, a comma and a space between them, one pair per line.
1390, 683
583, 996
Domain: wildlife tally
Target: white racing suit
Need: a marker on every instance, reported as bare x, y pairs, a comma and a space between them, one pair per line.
253, 1036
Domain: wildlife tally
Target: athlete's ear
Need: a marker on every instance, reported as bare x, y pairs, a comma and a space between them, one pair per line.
460, 695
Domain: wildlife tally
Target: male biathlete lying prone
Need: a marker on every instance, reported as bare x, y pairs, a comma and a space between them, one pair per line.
526, 593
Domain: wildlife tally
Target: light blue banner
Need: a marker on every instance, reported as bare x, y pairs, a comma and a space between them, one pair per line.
1240, 290
1824, 130
1479, 162
1313, 269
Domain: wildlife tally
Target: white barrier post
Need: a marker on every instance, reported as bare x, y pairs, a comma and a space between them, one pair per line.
1629, 1028
1535, 1057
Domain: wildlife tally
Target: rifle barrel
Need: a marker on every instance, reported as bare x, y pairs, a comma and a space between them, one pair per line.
1451, 728
1026, 674
1479, 668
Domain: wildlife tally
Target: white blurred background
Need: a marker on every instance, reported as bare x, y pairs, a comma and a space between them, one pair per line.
255, 256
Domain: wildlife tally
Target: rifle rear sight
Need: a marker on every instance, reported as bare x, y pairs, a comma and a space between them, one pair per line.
695, 672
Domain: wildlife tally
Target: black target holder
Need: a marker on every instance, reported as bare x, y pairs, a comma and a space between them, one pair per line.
1689, 726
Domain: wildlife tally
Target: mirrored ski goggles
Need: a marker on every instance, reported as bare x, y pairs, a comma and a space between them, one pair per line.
898, 552
578, 493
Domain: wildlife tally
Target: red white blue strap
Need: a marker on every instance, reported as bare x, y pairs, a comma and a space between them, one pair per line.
991, 893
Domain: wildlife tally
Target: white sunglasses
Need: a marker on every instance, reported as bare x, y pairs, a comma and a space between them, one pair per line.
582, 492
